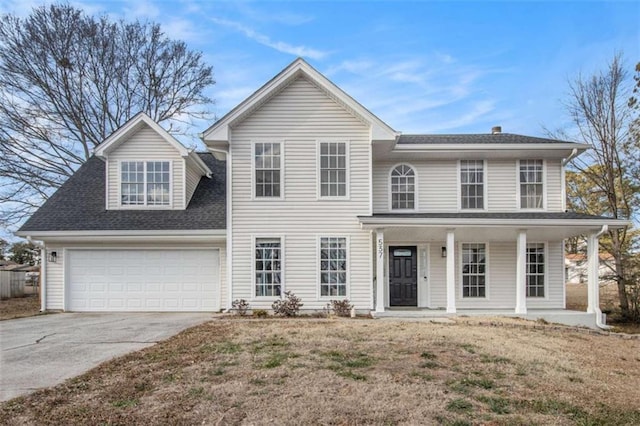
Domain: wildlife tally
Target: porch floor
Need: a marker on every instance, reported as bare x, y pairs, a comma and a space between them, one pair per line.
559, 316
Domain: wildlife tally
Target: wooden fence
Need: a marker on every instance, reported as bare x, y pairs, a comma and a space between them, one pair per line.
11, 284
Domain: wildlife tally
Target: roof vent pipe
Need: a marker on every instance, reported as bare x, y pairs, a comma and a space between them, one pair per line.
496, 129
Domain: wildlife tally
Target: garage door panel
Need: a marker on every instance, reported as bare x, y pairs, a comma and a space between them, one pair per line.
142, 280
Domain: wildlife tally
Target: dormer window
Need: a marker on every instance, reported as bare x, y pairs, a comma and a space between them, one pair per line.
145, 183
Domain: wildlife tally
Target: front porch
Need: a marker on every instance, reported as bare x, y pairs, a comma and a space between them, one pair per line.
558, 316
481, 264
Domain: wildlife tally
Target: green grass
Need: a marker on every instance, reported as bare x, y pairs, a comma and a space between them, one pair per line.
125, 403
459, 405
496, 404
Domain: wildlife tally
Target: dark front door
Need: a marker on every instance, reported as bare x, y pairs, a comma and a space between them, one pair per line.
403, 276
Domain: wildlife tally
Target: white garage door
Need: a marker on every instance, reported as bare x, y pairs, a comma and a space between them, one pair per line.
142, 280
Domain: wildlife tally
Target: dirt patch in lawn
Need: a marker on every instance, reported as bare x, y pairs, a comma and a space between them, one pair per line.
346, 372
19, 307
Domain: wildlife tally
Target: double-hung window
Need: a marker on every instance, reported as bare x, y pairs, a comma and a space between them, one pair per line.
535, 270
268, 267
531, 184
145, 183
333, 266
333, 169
403, 188
474, 273
472, 184
267, 163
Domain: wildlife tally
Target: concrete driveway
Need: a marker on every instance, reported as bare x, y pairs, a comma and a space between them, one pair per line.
42, 351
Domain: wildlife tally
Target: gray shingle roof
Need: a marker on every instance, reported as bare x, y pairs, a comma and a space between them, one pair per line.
489, 215
79, 205
481, 138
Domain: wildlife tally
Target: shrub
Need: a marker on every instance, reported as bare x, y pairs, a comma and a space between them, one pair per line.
341, 308
289, 306
260, 313
241, 306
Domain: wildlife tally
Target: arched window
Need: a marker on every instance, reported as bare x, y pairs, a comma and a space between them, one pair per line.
403, 187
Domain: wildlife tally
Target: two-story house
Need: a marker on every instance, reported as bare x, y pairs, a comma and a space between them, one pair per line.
304, 189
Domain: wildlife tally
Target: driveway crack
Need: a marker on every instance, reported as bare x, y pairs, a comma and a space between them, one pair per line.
44, 337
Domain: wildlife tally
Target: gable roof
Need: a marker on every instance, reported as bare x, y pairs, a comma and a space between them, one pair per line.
134, 124
79, 205
219, 131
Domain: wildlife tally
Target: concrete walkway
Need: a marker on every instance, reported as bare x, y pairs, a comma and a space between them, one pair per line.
42, 351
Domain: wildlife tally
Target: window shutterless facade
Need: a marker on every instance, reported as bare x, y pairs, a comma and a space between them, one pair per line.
535, 270
474, 274
531, 184
333, 169
267, 163
472, 184
268, 267
403, 188
145, 183
333, 266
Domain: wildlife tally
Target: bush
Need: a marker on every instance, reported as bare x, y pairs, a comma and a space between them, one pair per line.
287, 307
341, 308
260, 313
241, 306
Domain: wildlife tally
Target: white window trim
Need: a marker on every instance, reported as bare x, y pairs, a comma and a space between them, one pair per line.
319, 296
253, 170
487, 281
485, 186
145, 206
544, 186
415, 188
546, 272
253, 268
347, 151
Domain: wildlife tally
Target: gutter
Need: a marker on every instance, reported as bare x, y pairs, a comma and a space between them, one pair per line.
573, 154
599, 322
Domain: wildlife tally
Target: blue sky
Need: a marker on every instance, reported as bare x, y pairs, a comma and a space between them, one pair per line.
422, 67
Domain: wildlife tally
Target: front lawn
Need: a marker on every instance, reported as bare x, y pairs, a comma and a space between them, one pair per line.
354, 372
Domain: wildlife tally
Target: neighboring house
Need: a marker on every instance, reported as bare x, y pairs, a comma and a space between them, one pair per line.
306, 190
577, 268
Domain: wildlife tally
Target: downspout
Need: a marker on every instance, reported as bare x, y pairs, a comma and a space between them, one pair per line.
571, 156
599, 322
43, 273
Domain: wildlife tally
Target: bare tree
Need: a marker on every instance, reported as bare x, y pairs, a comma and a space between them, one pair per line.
605, 180
68, 80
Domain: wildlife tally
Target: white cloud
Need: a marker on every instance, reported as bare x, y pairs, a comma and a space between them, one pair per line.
142, 9
280, 46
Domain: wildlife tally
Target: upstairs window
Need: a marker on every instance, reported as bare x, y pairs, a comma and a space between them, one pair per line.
267, 167
531, 184
403, 187
333, 169
145, 183
472, 184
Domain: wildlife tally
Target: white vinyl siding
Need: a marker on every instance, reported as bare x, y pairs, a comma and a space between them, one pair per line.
55, 291
300, 116
145, 145
193, 179
554, 185
436, 185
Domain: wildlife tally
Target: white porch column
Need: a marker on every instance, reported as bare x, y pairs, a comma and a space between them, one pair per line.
380, 270
593, 278
451, 272
521, 272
